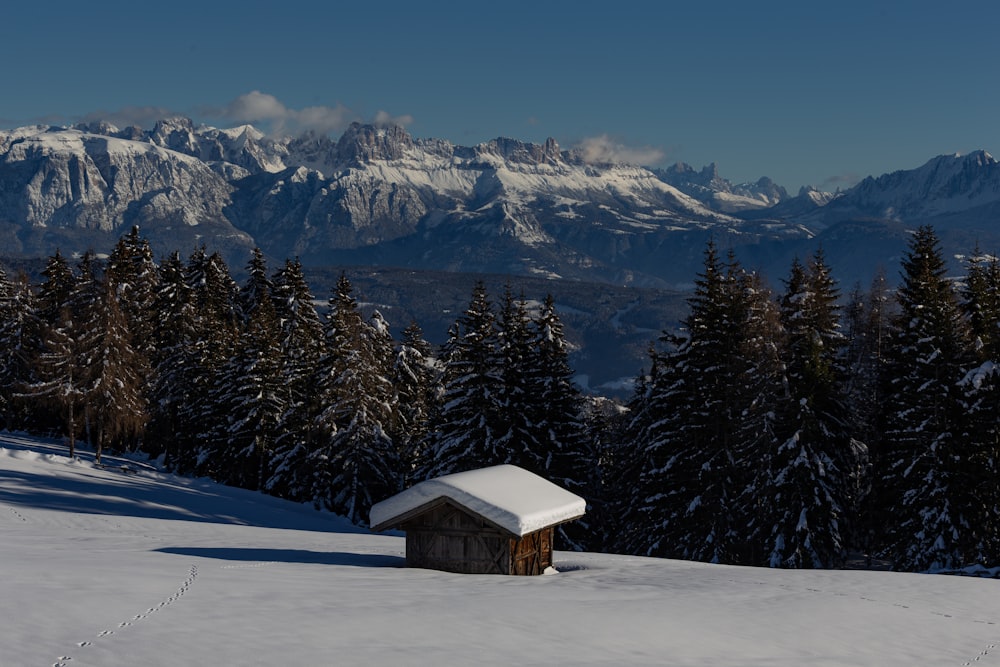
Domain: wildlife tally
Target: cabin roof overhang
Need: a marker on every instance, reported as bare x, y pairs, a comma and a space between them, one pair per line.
512, 499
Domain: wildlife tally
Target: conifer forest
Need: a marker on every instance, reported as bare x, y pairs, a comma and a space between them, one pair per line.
794, 427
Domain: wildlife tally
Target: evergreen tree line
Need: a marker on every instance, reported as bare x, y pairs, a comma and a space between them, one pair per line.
251, 385
784, 430
791, 430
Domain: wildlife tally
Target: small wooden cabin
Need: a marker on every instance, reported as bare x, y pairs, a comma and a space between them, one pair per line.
497, 520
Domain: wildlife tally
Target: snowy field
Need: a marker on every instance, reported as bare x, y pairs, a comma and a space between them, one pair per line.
107, 567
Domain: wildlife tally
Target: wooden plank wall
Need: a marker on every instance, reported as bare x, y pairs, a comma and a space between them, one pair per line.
449, 538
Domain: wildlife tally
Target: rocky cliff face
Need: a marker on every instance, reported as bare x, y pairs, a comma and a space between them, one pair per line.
71, 187
377, 195
720, 194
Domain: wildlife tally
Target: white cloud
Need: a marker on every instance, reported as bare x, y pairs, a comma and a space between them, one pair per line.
255, 107
385, 118
263, 109
603, 149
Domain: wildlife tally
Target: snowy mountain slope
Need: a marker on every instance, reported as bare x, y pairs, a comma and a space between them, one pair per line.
719, 193
107, 567
865, 228
77, 190
944, 185
375, 195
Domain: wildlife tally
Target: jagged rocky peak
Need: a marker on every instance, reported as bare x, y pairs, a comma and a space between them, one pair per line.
681, 173
769, 189
101, 127
980, 158
364, 143
175, 133
942, 177
513, 150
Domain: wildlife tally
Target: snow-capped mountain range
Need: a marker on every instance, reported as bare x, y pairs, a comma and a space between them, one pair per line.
377, 195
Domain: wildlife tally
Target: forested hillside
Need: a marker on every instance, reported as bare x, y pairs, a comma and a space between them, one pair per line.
780, 429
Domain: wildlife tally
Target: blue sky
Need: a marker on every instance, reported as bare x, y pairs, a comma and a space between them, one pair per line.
820, 93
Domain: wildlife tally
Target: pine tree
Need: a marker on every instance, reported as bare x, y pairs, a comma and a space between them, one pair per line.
981, 386
466, 431
982, 396
415, 376
54, 292
55, 384
20, 330
57, 378
354, 459
924, 478
517, 433
981, 304
704, 423
302, 346
810, 493
250, 389
134, 277
557, 417
116, 372
176, 367
215, 328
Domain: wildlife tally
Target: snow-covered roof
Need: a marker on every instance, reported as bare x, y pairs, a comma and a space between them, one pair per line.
510, 497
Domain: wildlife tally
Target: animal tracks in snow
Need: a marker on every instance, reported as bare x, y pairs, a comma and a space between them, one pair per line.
63, 661
982, 654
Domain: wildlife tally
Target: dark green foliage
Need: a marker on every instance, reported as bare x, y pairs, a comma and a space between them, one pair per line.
809, 493
415, 375
981, 304
702, 421
923, 478
20, 331
251, 389
301, 345
467, 430
354, 458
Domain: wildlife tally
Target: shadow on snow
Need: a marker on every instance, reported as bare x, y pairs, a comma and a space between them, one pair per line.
289, 556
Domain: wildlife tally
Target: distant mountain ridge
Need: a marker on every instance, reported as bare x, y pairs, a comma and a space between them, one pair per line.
378, 196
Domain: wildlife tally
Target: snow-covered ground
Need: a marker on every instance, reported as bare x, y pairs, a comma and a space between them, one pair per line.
110, 567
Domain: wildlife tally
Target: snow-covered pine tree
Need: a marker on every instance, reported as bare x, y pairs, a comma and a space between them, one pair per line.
115, 401
982, 465
557, 418
354, 458
517, 429
214, 296
134, 275
257, 289
55, 380
868, 317
54, 292
466, 431
689, 499
981, 304
809, 495
759, 383
57, 377
250, 388
176, 368
416, 374
302, 345
20, 330
923, 484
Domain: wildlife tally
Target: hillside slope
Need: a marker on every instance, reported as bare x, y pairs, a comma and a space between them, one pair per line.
124, 565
